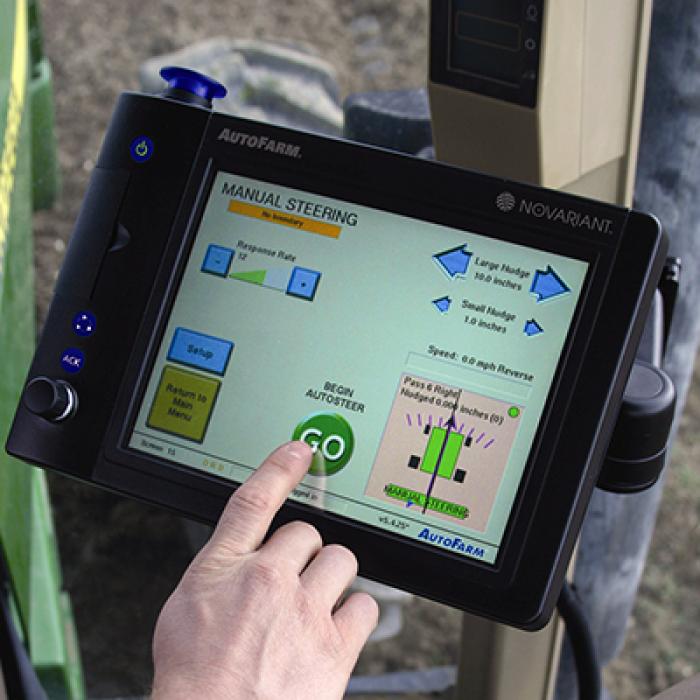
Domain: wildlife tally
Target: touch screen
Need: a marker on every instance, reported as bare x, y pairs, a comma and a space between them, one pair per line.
415, 358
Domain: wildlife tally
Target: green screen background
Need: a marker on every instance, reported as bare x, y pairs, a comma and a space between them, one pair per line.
371, 322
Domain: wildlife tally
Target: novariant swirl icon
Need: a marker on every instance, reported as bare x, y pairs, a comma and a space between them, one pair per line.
505, 202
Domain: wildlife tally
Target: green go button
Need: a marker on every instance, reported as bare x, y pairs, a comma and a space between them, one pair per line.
331, 437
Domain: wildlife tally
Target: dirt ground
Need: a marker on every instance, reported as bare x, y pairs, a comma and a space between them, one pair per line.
121, 558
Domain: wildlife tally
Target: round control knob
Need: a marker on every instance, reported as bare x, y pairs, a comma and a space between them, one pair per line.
52, 399
637, 451
189, 86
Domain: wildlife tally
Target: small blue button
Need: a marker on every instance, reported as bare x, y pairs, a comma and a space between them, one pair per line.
442, 304
201, 351
217, 260
72, 360
141, 149
303, 283
84, 323
532, 328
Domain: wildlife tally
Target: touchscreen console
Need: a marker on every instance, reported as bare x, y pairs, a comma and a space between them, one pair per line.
453, 346
309, 316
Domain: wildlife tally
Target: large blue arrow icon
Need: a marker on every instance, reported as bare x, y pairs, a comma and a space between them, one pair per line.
454, 262
547, 284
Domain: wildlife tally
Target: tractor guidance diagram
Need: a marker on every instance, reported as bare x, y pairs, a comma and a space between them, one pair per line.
444, 451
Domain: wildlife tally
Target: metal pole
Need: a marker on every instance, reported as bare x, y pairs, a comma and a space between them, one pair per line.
618, 529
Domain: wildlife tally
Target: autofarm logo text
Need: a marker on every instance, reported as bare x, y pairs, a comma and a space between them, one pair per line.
456, 544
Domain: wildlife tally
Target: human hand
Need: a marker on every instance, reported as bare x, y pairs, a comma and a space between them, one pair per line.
262, 621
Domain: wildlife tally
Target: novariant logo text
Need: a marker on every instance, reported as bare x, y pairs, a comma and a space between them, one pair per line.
264, 143
456, 543
569, 217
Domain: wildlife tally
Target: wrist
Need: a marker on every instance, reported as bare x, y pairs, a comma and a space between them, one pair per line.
177, 687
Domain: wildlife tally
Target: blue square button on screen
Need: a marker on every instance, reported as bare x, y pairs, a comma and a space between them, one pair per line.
303, 283
217, 260
199, 350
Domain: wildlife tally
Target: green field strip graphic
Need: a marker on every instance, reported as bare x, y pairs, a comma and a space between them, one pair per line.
432, 450
435, 504
450, 454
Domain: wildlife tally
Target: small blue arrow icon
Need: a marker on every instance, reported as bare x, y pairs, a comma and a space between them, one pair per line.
547, 284
409, 503
442, 304
532, 328
454, 262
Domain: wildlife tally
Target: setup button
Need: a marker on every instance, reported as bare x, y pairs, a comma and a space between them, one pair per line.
201, 351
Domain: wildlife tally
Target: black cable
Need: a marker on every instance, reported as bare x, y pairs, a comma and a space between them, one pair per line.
588, 672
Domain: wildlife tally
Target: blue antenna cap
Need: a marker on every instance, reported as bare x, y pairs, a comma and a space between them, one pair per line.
193, 82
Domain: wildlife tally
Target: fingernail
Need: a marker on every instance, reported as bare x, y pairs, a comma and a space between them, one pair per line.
298, 450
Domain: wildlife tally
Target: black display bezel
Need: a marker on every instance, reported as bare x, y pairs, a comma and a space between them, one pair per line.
159, 204
361, 537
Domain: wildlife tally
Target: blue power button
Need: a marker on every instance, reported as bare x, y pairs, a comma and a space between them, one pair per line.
141, 149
